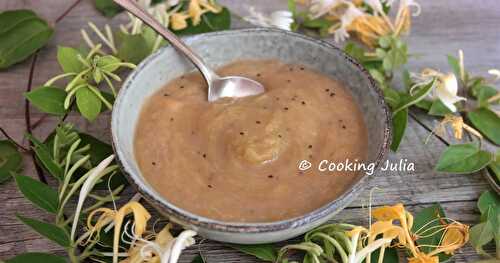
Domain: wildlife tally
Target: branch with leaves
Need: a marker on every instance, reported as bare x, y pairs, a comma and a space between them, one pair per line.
429, 237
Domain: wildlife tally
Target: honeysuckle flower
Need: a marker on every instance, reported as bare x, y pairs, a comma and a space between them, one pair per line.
423, 258
495, 73
455, 236
350, 14
278, 19
148, 250
403, 16
141, 217
446, 90
385, 228
376, 5
398, 212
93, 176
456, 123
389, 213
197, 8
181, 242
367, 27
320, 8
179, 20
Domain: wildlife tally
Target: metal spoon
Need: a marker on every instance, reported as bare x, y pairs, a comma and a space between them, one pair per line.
218, 87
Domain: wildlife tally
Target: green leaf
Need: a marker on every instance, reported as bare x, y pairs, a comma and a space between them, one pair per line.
438, 108
484, 93
99, 150
409, 100
495, 166
429, 219
107, 7
44, 156
88, 103
110, 9
209, 22
355, 51
48, 99
10, 19
292, 6
487, 199
455, 66
480, 235
390, 255
391, 96
317, 23
32, 257
50, 231
108, 63
10, 160
424, 104
264, 252
198, 259
68, 59
407, 80
22, 36
399, 123
38, 193
384, 42
487, 122
463, 158
132, 48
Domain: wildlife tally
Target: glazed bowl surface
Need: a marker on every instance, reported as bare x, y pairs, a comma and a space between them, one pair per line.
224, 47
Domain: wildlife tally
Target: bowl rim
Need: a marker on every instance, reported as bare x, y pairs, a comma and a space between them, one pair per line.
189, 218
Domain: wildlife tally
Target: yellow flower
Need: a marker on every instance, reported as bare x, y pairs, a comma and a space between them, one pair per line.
387, 229
423, 258
356, 231
141, 217
456, 123
198, 7
369, 29
178, 21
455, 236
139, 252
385, 213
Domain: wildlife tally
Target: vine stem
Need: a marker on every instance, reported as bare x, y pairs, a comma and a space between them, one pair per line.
12, 140
27, 113
27, 118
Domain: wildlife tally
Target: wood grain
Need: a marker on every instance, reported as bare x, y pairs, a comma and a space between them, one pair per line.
442, 28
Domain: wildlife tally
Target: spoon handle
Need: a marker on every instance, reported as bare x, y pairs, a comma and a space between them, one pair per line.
132, 7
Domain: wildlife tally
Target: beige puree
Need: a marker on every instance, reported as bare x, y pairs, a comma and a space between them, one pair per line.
237, 159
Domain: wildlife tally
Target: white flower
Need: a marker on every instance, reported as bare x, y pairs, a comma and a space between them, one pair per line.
409, 3
446, 90
91, 178
174, 249
279, 19
172, 2
495, 73
321, 7
376, 5
351, 13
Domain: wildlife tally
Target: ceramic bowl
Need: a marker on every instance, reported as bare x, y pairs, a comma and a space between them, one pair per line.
219, 49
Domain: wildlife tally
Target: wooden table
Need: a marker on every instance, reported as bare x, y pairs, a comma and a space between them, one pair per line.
442, 28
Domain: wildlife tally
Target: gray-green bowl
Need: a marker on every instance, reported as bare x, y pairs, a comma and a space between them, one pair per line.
224, 47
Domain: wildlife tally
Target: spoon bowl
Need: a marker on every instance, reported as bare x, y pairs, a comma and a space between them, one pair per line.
235, 87
218, 87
